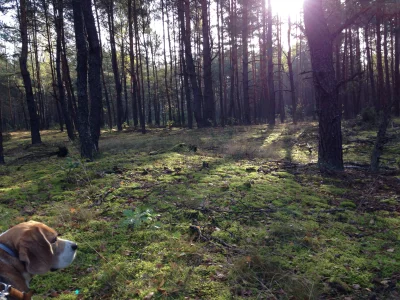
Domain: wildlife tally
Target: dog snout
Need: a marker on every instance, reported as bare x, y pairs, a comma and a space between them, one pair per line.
74, 246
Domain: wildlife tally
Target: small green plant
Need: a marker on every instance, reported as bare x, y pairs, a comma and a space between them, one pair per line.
170, 123
70, 166
139, 217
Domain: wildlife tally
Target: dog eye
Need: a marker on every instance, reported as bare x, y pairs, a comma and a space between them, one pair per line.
53, 240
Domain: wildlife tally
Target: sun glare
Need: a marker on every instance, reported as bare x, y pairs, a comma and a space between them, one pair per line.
286, 7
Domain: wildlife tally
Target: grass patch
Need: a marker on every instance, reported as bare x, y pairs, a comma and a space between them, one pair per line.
235, 212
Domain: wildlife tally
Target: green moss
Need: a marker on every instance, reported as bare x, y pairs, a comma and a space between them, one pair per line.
266, 227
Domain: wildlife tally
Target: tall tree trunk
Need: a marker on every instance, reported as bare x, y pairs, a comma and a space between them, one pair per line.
96, 103
181, 20
72, 108
156, 107
291, 78
280, 70
245, 37
118, 86
345, 96
126, 113
39, 90
271, 88
81, 81
330, 154
132, 65
191, 67
138, 53
386, 60
165, 65
359, 70
209, 105
146, 49
263, 65
109, 114
34, 121
221, 65
370, 66
59, 17
51, 63
234, 64
381, 94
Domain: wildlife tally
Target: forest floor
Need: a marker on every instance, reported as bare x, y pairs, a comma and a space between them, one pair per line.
221, 213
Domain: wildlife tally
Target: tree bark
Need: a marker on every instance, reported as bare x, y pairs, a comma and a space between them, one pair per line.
34, 121
271, 88
221, 65
191, 67
51, 63
209, 105
96, 104
118, 86
291, 78
132, 65
245, 36
370, 66
165, 65
138, 53
109, 114
381, 94
59, 17
81, 82
330, 154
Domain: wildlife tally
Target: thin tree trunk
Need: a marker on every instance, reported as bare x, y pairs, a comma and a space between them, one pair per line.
165, 65
134, 90
96, 103
126, 113
51, 62
209, 105
191, 67
245, 37
263, 65
280, 70
72, 108
370, 66
34, 122
39, 90
118, 86
381, 94
220, 34
138, 53
388, 93
109, 114
181, 19
149, 117
291, 78
271, 88
59, 16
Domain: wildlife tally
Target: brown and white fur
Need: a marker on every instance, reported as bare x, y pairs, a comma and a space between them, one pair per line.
38, 250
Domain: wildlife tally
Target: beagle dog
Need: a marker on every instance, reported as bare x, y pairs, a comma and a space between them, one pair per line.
31, 248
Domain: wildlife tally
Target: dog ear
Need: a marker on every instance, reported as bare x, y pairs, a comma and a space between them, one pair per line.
35, 250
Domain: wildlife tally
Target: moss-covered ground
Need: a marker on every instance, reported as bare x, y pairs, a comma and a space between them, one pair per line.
222, 213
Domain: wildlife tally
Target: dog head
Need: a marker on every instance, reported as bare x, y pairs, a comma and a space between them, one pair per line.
39, 247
